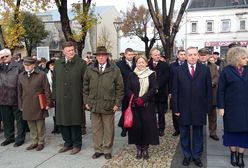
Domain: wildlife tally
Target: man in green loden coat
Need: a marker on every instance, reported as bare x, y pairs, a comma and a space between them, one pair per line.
103, 92
67, 92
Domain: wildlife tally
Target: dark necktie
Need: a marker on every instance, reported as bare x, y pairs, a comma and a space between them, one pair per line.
101, 68
192, 71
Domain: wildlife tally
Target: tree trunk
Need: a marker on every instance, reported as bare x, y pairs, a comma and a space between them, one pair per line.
65, 22
2, 41
167, 31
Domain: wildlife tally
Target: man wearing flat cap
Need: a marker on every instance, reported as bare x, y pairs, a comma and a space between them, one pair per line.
9, 71
32, 83
212, 115
103, 92
67, 91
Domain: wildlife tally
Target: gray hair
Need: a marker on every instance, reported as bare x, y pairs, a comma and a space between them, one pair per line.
189, 48
235, 54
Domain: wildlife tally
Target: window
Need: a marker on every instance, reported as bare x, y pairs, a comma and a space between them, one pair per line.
226, 24
193, 27
242, 25
209, 26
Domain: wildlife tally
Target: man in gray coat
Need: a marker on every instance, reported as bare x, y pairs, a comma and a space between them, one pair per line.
67, 92
103, 92
9, 71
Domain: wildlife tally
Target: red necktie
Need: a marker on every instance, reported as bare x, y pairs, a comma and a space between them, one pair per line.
192, 71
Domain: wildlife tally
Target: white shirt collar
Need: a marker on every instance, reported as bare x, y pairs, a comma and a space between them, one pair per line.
103, 66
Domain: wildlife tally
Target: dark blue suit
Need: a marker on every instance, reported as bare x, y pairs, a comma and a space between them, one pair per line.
192, 99
173, 67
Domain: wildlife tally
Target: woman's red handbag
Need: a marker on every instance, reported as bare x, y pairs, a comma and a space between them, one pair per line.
128, 114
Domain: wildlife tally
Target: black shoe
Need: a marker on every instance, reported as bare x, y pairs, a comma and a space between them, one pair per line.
186, 161
214, 137
161, 133
198, 162
176, 133
123, 133
6, 142
108, 156
18, 143
97, 155
240, 160
233, 158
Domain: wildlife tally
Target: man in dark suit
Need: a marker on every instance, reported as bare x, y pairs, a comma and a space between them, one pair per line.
181, 59
126, 65
162, 73
191, 94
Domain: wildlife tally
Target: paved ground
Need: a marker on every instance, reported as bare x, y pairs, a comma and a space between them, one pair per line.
215, 154
11, 157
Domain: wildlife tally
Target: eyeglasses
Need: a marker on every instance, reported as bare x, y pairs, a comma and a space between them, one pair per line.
6, 56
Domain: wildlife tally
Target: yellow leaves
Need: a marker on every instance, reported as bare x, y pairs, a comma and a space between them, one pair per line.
85, 19
12, 30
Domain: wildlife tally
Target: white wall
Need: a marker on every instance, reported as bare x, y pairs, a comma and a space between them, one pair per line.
198, 39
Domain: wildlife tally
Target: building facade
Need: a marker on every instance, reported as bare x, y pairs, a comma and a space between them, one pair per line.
215, 24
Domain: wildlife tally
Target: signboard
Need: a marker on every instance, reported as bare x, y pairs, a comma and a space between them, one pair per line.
224, 43
43, 52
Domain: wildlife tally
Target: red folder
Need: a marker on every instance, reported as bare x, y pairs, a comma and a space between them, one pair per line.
42, 100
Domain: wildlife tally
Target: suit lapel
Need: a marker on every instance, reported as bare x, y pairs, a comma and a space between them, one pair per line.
198, 69
186, 70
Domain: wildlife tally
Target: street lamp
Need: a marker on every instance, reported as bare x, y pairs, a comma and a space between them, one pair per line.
117, 25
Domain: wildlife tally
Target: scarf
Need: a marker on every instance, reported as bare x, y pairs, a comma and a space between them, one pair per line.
143, 79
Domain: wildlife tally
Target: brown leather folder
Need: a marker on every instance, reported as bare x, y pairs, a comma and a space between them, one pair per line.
42, 100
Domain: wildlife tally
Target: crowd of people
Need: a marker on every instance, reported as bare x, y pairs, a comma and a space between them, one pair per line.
194, 87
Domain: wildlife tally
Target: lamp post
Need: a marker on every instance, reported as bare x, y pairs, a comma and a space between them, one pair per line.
117, 25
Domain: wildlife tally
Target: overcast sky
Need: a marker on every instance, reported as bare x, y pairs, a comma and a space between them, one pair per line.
134, 43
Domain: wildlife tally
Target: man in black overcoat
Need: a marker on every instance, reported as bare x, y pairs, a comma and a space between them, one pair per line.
162, 73
191, 94
181, 59
126, 65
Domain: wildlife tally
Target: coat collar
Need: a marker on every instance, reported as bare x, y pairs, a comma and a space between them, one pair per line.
73, 61
108, 67
234, 70
198, 69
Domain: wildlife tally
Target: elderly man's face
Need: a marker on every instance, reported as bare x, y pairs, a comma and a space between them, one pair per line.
69, 52
101, 58
29, 67
6, 58
156, 55
192, 56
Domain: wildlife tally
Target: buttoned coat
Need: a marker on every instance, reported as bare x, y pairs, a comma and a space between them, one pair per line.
28, 90
8, 83
68, 91
232, 95
192, 96
103, 90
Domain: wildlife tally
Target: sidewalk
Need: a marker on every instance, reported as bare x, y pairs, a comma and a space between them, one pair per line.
11, 157
215, 155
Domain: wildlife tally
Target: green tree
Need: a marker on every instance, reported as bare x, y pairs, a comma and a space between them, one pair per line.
84, 17
136, 21
34, 31
167, 29
12, 29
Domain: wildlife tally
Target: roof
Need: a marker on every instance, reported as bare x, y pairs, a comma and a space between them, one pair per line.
216, 4
55, 16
